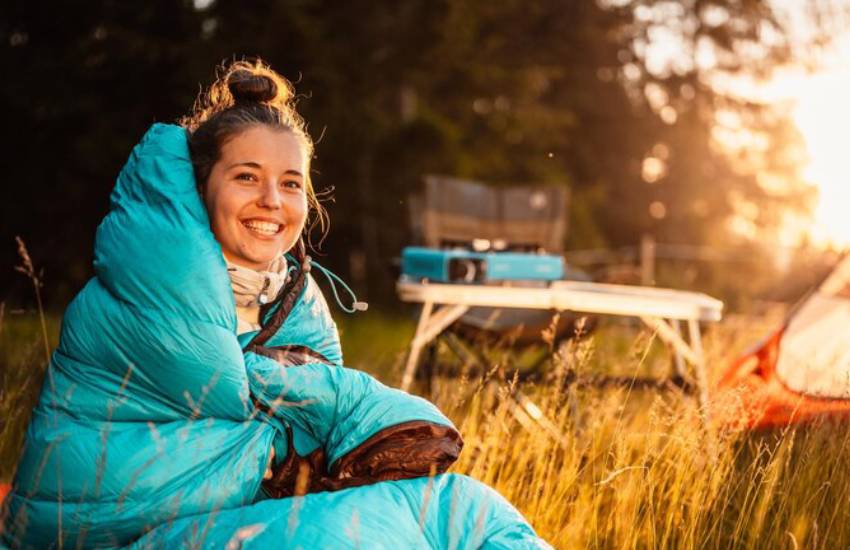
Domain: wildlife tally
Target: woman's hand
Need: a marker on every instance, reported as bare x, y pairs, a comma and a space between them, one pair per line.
268, 474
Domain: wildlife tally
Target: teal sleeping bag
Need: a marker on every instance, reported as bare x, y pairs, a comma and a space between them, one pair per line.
155, 422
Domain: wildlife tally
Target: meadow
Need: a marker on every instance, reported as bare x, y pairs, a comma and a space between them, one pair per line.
633, 468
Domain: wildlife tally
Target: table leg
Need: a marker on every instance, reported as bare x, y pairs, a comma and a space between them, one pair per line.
692, 352
678, 360
431, 324
416, 346
699, 368
670, 336
525, 406
439, 321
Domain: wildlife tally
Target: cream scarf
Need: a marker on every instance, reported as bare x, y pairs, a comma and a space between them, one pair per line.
252, 289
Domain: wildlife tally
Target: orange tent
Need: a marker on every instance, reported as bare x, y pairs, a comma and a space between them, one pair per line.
800, 372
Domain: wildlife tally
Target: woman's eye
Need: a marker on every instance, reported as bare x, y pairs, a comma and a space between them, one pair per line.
292, 184
247, 177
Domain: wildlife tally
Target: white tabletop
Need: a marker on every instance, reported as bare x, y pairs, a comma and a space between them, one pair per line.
578, 296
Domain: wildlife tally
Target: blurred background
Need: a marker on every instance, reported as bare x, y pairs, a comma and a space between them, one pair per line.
709, 134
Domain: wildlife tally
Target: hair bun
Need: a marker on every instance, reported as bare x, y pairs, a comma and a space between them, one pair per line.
246, 86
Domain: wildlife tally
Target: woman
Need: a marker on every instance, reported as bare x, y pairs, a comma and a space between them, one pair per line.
198, 372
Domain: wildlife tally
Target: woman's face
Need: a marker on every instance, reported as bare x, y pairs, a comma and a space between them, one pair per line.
256, 196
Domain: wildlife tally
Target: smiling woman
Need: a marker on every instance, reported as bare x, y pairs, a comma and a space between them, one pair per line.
251, 156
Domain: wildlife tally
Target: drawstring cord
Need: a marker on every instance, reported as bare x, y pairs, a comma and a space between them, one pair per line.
333, 278
285, 299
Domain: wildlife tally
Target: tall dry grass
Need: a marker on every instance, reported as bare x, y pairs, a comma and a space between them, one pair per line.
638, 468
26, 340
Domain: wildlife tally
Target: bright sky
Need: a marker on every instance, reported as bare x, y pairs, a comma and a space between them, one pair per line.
822, 113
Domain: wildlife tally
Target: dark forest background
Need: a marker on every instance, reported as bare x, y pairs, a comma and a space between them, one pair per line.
565, 92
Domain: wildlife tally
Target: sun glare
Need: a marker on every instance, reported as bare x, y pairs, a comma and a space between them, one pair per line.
823, 117
822, 114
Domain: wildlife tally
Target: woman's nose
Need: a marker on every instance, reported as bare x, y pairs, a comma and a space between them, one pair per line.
270, 196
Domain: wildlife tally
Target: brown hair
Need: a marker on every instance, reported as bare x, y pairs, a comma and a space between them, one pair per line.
246, 94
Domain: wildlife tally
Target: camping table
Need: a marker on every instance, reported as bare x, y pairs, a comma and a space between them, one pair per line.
661, 309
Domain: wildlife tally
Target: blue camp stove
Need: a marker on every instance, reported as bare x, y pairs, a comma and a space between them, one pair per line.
470, 267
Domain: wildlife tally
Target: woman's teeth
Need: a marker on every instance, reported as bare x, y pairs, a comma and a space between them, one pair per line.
263, 228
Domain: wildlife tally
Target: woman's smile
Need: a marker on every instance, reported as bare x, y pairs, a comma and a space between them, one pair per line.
262, 229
